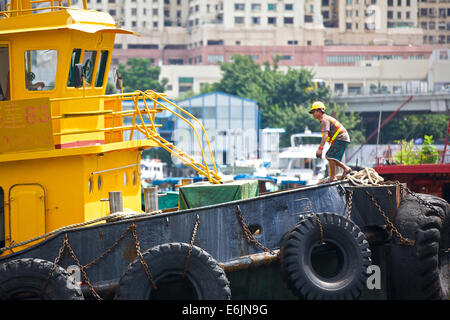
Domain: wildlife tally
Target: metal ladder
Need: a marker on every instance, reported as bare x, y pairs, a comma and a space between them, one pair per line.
150, 132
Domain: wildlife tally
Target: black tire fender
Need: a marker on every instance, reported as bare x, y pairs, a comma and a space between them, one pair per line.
204, 279
422, 271
352, 252
29, 278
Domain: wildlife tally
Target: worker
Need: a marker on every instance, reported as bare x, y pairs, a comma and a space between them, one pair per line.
334, 133
29, 77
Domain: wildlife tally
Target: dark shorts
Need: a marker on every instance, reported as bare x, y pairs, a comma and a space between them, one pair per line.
337, 150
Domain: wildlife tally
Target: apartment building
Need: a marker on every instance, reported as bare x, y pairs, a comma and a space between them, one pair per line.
433, 18
318, 33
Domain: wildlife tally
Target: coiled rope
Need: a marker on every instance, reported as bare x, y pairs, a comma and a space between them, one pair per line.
365, 177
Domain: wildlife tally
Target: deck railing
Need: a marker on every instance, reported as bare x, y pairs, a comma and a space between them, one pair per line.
22, 7
146, 105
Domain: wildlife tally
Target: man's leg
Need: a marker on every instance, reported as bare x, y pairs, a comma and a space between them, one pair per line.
332, 167
343, 166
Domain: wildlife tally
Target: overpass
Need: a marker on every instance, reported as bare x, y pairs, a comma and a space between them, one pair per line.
387, 103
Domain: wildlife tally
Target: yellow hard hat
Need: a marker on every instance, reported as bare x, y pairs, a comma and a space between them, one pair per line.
318, 105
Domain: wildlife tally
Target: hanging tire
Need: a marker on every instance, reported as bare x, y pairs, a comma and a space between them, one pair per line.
32, 279
335, 269
421, 271
204, 279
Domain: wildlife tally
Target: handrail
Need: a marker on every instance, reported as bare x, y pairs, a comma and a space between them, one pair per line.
150, 95
189, 114
148, 130
53, 5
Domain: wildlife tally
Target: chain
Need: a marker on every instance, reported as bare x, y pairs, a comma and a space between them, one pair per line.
194, 233
248, 234
140, 256
349, 204
55, 263
389, 223
320, 229
422, 201
107, 251
82, 269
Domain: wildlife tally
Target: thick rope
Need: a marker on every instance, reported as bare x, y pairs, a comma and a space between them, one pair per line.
365, 177
109, 218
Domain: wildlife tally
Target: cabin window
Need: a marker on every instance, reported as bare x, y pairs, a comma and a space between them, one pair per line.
4, 72
40, 69
101, 68
88, 65
76, 54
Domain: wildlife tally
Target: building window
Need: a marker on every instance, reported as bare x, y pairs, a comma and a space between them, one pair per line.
239, 6
288, 20
288, 7
255, 20
272, 7
239, 20
215, 58
344, 59
256, 7
271, 20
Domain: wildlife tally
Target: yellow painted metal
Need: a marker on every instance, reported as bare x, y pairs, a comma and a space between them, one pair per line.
23, 199
64, 179
25, 125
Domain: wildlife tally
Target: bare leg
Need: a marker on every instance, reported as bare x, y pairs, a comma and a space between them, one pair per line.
343, 166
332, 166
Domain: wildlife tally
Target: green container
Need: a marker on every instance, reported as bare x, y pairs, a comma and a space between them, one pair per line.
203, 193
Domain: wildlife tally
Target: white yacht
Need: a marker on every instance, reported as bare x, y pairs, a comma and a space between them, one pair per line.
299, 163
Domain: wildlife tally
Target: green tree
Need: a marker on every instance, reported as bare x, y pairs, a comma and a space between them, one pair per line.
410, 154
415, 126
283, 97
138, 74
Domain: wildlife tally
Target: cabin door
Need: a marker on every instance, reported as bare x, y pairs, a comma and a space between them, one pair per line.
27, 211
4, 72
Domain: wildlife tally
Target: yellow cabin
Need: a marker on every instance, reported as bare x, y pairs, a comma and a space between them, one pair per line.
62, 146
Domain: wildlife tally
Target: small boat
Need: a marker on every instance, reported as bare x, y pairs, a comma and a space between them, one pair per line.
151, 169
298, 162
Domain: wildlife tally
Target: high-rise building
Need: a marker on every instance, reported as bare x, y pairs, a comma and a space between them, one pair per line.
212, 31
433, 18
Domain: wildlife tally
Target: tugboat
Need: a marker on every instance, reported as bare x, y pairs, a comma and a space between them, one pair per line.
71, 224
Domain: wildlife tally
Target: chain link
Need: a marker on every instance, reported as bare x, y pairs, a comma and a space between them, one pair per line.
320, 228
248, 234
141, 257
402, 239
66, 245
194, 233
349, 203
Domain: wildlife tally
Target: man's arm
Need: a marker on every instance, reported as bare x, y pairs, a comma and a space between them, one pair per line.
322, 143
